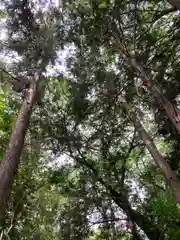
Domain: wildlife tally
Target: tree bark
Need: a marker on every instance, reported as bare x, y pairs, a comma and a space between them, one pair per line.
11, 160
148, 226
175, 3
168, 173
171, 110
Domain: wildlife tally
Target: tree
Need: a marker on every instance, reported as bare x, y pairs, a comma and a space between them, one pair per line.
175, 3
114, 36
100, 148
37, 57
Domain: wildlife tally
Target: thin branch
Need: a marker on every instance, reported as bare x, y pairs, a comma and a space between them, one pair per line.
131, 147
9, 73
163, 13
108, 220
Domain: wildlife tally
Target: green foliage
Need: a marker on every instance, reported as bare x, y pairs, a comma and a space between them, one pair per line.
108, 179
103, 4
6, 122
166, 210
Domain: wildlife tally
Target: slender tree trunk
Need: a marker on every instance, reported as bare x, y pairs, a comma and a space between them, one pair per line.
153, 233
11, 160
175, 3
168, 173
171, 110
149, 228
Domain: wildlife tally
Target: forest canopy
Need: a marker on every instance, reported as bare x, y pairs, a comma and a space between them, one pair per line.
90, 120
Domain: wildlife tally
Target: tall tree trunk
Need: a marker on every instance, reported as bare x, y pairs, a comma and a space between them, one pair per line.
148, 226
153, 233
171, 110
11, 160
175, 3
168, 173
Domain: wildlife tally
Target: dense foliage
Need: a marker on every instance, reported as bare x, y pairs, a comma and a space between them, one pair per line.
100, 159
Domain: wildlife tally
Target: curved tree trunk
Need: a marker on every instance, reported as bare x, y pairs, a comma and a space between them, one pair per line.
148, 226
11, 160
175, 3
164, 167
168, 173
153, 233
171, 110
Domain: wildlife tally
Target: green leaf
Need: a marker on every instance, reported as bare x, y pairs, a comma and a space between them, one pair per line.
103, 5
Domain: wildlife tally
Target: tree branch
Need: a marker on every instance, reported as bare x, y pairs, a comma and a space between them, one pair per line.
108, 220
